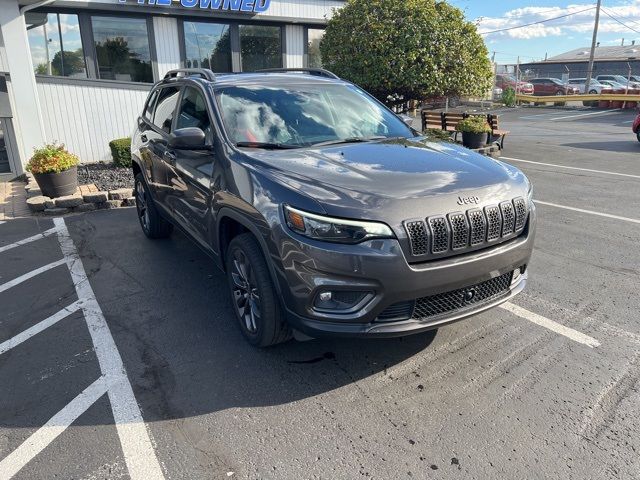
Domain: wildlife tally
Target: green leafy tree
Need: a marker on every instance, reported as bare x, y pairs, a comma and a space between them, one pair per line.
67, 64
410, 48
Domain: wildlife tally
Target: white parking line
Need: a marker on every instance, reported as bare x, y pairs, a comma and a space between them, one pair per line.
139, 455
2, 221
570, 333
590, 212
31, 274
570, 168
610, 112
37, 442
39, 327
39, 236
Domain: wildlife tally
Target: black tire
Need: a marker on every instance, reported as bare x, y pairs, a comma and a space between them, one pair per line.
638, 135
253, 295
593, 92
151, 221
559, 92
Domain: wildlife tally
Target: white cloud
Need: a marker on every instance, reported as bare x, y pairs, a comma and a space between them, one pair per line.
582, 22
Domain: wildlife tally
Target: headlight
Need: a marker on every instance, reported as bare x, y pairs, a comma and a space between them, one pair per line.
530, 194
336, 230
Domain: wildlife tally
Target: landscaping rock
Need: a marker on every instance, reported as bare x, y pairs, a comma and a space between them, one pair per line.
39, 203
35, 192
56, 211
97, 197
109, 204
129, 202
69, 201
85, 207
120, 194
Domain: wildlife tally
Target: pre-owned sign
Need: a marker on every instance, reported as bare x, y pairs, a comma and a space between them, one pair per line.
255, 6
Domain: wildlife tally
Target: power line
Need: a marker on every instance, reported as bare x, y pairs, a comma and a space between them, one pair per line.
538, 22
619, 21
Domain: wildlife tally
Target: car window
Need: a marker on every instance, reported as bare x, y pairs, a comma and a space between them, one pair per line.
148, 111
301, 115
193, 113
165, 108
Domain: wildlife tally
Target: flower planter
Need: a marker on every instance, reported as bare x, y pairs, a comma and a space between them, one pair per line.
54, 185
474, 140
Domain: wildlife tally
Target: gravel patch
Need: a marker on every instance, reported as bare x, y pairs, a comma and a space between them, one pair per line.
105, 176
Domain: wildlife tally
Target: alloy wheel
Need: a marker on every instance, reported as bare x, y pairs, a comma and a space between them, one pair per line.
142, 206
245, 291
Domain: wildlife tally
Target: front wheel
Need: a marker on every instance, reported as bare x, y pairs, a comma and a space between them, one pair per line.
152, 223
255, 300
559, 93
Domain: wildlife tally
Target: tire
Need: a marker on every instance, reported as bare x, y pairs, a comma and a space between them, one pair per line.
638, 135
254, 298
593, 92
151, 221
559, 93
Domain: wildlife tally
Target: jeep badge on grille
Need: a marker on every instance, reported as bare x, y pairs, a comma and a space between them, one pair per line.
468, 200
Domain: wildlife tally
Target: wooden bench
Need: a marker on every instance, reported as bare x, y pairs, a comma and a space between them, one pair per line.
448, 122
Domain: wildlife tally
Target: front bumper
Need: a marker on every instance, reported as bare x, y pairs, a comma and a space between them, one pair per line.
379, 266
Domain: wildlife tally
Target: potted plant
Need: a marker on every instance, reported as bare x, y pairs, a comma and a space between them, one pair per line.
475, 131
55, 170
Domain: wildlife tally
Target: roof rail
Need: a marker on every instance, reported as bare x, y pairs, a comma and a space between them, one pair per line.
191, 72
318, 72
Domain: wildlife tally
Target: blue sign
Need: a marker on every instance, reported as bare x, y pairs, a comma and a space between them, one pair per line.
254, 6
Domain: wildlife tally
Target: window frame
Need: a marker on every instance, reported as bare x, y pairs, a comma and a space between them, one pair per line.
89, 46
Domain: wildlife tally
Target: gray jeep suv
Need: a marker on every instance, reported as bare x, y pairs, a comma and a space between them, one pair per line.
328, 213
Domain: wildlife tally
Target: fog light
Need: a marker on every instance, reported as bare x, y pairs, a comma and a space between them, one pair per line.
340, 300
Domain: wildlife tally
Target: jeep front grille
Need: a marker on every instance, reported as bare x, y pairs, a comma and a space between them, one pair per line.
452, 302
441, 235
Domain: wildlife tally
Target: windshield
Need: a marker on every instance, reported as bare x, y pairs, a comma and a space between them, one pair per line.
304, 115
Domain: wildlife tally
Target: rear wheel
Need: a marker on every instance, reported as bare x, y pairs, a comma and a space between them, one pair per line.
152, 223
593, 92
255, 300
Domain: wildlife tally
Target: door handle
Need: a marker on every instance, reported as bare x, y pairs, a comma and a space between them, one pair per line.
170, 157
144, 138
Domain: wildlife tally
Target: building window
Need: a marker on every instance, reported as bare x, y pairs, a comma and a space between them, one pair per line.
314, 37
122, 48
260, 47
208, 45
54, 41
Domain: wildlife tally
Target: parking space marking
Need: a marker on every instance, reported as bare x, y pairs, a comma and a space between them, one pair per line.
39, 327
39, 236
2, 221
590, 212
570, 333
611, 112
31, 274
139, 455
37, 442
570, 168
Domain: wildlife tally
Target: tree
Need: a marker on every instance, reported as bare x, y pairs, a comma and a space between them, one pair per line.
67, 64
410, 48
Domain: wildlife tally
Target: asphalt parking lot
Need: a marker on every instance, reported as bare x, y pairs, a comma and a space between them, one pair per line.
119, 356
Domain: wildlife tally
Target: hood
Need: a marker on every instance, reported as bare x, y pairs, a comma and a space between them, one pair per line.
394, 179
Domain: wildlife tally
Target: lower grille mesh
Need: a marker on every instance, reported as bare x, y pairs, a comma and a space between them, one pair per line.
462, 298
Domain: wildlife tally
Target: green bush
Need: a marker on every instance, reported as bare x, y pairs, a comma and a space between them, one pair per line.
509, 97
438, 135
474, 124
121, 151
52, 158
412, 49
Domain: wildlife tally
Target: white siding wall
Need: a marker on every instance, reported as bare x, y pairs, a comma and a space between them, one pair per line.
294, 49
167, 44
87, 117
3, 57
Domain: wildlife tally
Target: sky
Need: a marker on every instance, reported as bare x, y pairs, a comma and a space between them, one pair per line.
553, 37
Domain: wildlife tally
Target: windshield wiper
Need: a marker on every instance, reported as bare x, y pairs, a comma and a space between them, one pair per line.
349, 140
266, 145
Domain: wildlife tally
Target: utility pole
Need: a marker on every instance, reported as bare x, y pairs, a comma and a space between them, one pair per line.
593, 47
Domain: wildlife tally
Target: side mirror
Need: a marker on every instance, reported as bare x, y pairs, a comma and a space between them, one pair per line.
189, 138
408, 120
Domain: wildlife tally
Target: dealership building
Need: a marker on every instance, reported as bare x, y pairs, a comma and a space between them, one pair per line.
78, 71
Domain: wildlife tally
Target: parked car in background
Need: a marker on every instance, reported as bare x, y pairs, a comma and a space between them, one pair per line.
622, 80
636, 126
552, 86
614, 85
505, 81
328, 213
595, 87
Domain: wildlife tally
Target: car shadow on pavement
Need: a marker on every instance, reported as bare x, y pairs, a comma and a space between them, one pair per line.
168, 309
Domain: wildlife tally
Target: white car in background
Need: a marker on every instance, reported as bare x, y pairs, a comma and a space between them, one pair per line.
595, 87
618, 78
